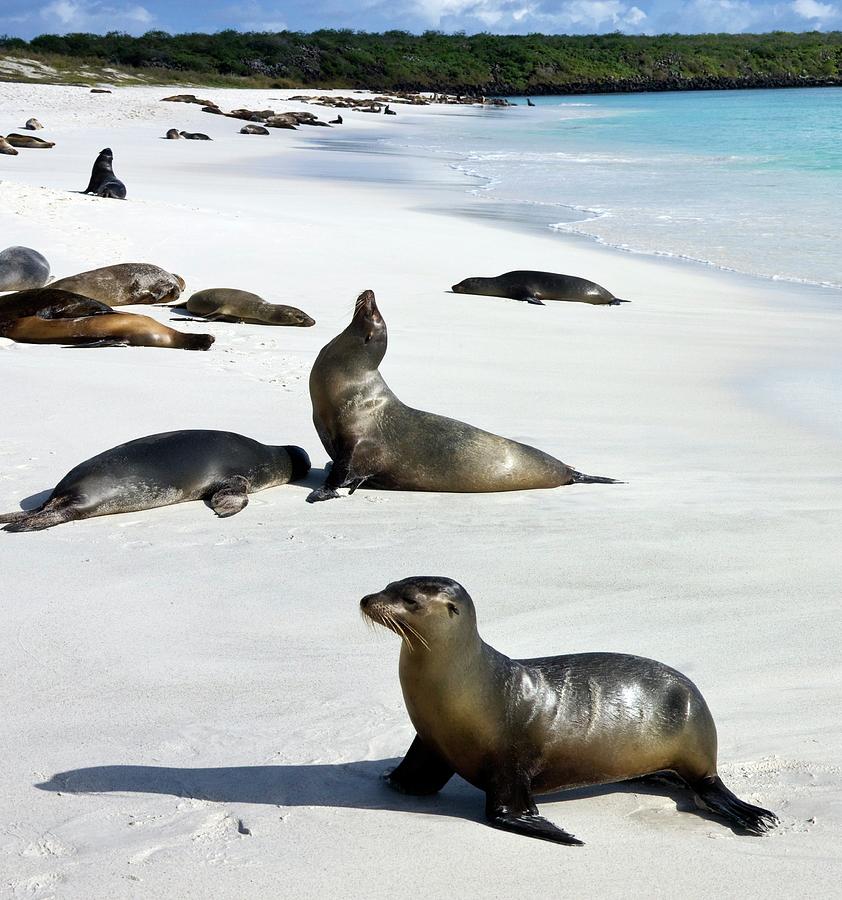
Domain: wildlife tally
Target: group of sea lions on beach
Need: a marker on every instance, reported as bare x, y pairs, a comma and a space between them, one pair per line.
512, 728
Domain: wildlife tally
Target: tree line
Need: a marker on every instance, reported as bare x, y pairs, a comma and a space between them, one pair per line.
469, 64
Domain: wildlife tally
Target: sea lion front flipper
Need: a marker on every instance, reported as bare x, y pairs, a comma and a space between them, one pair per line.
230, 496
534, 300
509, 807
422, 771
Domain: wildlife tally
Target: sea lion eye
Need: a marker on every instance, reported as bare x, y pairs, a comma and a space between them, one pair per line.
452, 609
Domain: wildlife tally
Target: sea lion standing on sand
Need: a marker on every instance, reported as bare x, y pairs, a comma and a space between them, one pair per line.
232, 305
125, 284
22, 268
104, 183
517, 728
336, 121
220, 467
536, 287
372, 437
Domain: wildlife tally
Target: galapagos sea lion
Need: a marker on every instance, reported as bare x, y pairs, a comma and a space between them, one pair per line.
56, 324
536, 287
104, 183
515, 728
100, 91
195, 136
389, 112
336, 121
173, 135
22, 268
125, 284
33, 125
220, 467
6, 148
47, 303
232, 305
29, 142
372, 437
254, 129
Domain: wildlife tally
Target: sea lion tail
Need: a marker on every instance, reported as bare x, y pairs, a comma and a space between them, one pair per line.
37, 519
581, 478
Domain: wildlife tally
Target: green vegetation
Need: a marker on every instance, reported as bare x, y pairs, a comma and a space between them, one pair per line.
466, 64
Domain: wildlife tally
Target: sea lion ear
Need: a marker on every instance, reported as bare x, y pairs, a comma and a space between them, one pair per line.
452, 609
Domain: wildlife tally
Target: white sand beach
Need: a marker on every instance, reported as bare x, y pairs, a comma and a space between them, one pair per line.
170, 680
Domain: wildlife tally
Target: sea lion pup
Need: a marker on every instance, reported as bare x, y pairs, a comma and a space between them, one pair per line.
125, 284
22, 268
29, 142
372, 437
536, 287
173, 135
194, 136
6, 148
104, 183
232, 305
33, 125
219, 467
515, 728
47, 303
114, 330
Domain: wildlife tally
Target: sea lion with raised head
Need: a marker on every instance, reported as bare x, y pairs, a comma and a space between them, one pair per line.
536, 287
125, 284
515, 728
114, 330
29, 142
232, 305
22, 268
220, 467
104, 183
372, 437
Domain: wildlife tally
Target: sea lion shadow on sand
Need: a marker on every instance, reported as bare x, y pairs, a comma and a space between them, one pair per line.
352, 785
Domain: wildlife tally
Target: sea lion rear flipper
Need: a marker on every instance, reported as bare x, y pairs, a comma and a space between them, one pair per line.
712, 794
534, 300
230, 496
53, 512
422, 771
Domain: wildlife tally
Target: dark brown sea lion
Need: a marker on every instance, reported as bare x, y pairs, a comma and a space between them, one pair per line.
536, 287
232, 305
254, 129
220, 467
372, 437
104, 183
515, 728
73, 319
125, 284
173, 135
47, 303
29, 142
195, 136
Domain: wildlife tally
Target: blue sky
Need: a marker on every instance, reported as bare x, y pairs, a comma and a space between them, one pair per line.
27, 18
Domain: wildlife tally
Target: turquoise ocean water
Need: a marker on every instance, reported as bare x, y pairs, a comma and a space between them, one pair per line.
743, 180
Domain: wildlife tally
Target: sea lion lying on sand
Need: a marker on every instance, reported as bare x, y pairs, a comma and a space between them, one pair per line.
232, 305
22, 268
536, 287
220, 467
124, 284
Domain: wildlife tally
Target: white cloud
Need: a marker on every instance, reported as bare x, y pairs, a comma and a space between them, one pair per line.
810, 9
547, 15
75, 15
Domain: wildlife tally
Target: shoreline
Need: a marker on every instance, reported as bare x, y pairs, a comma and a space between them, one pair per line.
167, 674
